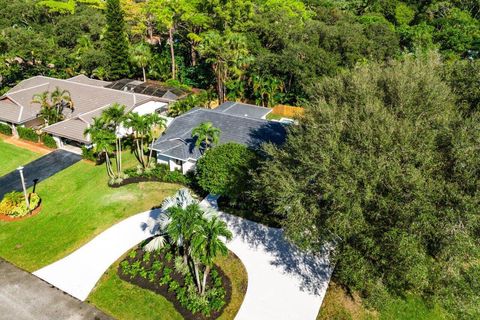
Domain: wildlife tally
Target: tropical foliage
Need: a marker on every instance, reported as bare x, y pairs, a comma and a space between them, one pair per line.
13, 204
53, 104
206, 135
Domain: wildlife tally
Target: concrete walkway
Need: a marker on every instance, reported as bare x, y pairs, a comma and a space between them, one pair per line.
78, 272
25, 297
38, 170
283, 283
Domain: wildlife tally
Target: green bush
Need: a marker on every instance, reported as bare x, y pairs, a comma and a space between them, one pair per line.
89, 154
48, 141
223, 170
13, 204
27, 134
5, 129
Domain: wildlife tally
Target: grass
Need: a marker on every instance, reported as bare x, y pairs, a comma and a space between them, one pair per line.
272, 116
126, 301
12, 157
77, 205
338, 305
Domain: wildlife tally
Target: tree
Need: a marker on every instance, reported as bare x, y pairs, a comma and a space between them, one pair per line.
143, 128
224, 170
112, 118
116, 41
229, 56
196, 231
206, 134
382, 166
53, 105
102, 140
141, 56
207, 244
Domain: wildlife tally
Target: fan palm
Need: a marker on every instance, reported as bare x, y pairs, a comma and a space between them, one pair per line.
207, 134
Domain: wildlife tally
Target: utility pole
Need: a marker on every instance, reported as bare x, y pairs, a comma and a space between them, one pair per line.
20, 169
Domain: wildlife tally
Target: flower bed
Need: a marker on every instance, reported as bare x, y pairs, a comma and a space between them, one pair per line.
159, 173
13, 205
163, 274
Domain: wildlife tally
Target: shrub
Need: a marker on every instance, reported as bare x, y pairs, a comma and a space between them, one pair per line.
89, 154
13, 204
223, 170
27, 134
5, 129
175, 177
48, 141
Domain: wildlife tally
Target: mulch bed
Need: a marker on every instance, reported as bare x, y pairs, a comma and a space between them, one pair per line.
170, 296
31, 214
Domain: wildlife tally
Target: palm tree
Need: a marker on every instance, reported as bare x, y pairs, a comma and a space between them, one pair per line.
207, 244
207, 134
113, 118
52, 104
143, 134
102, 140
141, 56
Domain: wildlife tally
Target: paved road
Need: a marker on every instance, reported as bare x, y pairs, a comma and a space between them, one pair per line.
283, 282
38, 170
25, 297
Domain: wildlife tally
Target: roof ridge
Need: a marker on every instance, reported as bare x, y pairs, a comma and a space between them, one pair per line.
233, 115
24, 89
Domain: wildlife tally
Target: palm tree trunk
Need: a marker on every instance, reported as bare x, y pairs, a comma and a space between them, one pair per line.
205, 276
197, 277
172, 52
108, 164
144, 75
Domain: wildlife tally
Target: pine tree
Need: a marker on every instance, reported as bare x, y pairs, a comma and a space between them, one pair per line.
116, 40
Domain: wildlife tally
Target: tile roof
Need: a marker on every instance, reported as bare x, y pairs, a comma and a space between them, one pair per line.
81, 78
243, 110
178, 143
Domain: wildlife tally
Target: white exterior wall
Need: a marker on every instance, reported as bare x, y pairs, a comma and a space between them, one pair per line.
174, 166
188, 166
58, 141
161, 159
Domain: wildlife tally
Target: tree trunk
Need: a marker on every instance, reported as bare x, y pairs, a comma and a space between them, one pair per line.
197, 277
193, 54
205, 276
108, 164
172, 52
144, 75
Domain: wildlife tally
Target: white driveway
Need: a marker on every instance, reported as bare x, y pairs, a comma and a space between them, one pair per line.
78, 272
283, 283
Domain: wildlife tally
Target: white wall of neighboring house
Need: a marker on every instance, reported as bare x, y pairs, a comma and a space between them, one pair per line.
149, 107
175, 164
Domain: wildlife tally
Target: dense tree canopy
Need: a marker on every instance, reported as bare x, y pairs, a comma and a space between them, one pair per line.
385, 166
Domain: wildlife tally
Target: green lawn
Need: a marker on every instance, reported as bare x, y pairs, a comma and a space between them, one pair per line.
11, 157
77, 204
125, 301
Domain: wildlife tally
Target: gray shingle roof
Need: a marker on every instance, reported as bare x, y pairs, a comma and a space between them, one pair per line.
243, 110
81, 78
178, 143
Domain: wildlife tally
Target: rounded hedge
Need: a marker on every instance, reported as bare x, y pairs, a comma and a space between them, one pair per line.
223, 170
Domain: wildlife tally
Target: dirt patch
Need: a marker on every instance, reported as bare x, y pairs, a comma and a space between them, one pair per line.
163, 290
31, 214
32, 146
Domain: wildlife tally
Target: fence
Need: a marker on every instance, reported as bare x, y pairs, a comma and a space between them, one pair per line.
287, 111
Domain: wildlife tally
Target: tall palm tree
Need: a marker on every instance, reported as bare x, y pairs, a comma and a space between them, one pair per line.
143, 134
207, 134
103, 141
113, 118
207, 244
141, 56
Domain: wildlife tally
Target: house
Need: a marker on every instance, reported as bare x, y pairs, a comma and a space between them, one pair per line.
238, 122
90, 97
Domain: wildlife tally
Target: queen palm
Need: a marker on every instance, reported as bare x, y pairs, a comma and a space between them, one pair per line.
103, 141
207, 244
207, 134
142, 132
52, 104
113, 118
141, 56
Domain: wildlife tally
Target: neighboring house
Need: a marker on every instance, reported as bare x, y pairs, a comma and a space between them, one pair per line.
90, 97
238, 122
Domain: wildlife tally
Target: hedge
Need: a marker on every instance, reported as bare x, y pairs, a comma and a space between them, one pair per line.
5, 129
48, 141
27, 134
